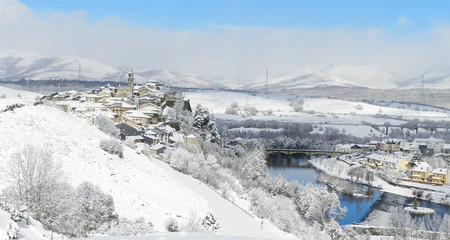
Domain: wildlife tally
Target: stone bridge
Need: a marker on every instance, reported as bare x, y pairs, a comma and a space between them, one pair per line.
308, 152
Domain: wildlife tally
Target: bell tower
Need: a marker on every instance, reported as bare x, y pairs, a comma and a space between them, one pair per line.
131, 79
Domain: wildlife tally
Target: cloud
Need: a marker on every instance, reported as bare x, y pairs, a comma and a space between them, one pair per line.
374, 33
402, 20
235, 53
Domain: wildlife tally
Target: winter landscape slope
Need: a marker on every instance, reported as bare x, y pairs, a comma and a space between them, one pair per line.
140, 187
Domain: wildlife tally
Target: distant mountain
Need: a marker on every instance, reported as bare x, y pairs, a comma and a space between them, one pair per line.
437, 79
15, 66
347, 75
338, 74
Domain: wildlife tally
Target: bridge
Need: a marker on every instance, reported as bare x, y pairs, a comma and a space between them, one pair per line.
386, 127
308, 152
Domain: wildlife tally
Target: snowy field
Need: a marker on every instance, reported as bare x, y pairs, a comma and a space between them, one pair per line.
344, 115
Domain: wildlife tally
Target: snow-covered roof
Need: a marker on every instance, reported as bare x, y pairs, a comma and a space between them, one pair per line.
421, 167
137, 114
157, 146
150, 109
440, 171
446, 146
411, 146
431, 139
386, 158
191, 136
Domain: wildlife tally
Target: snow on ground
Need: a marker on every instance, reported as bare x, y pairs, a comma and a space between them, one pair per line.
234, 221
12, 93
139, 187
175, 236
340, 169
13, 96
33, 231
344, 115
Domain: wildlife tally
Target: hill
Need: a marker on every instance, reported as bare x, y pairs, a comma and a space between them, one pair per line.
141, 187
15, 66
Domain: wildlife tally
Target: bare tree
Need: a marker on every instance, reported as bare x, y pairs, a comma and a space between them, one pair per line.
35, 177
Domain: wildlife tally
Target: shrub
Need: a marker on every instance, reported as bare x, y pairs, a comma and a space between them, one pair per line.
106, 125
250, 111
94, 208
12, 230
172, 225
231, 111
210, 223
112, 146
124, 226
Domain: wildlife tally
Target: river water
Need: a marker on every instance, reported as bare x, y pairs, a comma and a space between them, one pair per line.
298, 168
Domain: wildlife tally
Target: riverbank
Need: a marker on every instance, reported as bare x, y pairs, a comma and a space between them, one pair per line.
340, 169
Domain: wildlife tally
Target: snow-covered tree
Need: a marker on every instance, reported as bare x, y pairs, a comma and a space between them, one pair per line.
319, 205
112, 146
106, 125
254, 168
201, 117
205, 125
94, 208
12, 230
35, 179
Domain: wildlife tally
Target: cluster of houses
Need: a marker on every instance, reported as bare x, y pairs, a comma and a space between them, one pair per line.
136, 109
399, 154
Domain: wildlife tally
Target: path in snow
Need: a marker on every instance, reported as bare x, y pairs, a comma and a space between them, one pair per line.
232, 220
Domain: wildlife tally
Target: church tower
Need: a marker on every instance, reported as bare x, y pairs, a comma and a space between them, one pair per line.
131, 80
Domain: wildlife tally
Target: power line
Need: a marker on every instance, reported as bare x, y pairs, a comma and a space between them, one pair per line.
267, 81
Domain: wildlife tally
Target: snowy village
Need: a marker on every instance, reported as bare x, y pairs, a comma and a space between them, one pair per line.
227, 120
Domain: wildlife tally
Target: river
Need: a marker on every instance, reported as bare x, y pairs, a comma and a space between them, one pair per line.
298, 168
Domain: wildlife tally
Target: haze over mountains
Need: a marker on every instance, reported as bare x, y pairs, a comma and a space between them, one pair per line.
15, 66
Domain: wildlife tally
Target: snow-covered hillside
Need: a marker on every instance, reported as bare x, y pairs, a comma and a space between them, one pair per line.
15, 66
344, 75
140, 187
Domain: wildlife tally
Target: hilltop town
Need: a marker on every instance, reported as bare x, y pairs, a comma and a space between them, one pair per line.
137, 110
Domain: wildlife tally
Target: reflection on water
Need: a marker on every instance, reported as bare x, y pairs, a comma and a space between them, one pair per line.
298, 168
388, 200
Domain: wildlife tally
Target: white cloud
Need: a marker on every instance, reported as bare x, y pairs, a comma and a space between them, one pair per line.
374, 33
402, 20
232, 52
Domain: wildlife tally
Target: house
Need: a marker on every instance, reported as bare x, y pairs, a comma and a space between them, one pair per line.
156, 135
421, 171
392, 145
124, 92
138, 117
127, 130
157, 149
348, 148
411, 147
433, 145
387, 161
446, 148
193, 140
440, 176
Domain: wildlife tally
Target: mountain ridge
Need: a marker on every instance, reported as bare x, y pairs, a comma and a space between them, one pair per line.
15, 66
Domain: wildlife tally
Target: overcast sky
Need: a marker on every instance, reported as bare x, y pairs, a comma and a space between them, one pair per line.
234, 39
